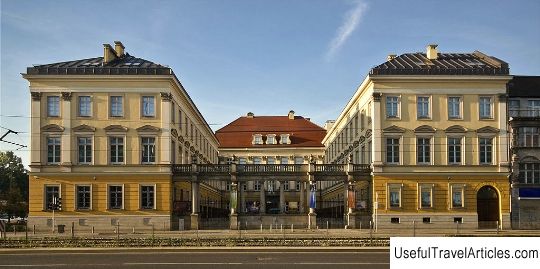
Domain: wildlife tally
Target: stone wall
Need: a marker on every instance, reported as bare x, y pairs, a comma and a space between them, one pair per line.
101, 223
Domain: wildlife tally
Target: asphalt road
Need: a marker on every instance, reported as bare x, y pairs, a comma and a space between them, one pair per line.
281, 258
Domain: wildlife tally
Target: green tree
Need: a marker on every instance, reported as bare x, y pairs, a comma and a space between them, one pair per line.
13, 186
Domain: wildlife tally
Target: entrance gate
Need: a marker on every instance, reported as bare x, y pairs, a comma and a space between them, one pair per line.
487, 201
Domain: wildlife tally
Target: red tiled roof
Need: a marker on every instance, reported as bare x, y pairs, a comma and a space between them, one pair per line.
239, 133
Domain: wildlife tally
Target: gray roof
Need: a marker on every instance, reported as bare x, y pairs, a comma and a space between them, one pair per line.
476, 63
524, 86
126, 65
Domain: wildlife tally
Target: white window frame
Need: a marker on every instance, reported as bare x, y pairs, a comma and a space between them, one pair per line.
150, 145
456, 188
91, 150
109, 196
257, 185
492, 138
459, 110
53, 108
141, 196
482, 108
398, 153
527, 169
113, 107
461, 151
271, 139
286, 185
76, 204
514, 107
395, 114
45, 204
429, 155
428, 110
148, 109
80, 107
109, 145
528, 135
59, 145
257, 139
533, 107
284, 139
421, 187
390, 187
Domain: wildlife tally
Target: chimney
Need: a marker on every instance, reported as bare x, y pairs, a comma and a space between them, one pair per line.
291, 115
250, 115
390, 57
119, 48
432, 52
109, 54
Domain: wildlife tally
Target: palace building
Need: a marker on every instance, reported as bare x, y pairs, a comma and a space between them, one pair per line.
104, 133
434, 128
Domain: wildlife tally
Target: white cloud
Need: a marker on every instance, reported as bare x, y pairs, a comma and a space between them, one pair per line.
350, 22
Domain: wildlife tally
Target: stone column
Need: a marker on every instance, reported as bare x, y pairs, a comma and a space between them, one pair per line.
503, 135
376, 152
262, 207
302, 195
66, 136
282, 197
195, 204
35, 134
234, 205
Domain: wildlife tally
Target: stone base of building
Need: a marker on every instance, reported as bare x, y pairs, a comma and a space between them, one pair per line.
101, 223
434, 221
526, 214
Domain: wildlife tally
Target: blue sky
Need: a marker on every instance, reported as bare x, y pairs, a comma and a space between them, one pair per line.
267, 57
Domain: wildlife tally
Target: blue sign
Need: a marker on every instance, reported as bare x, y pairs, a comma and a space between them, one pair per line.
529, 193
312, 196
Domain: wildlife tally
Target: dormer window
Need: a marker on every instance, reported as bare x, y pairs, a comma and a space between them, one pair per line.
271, 139
284, 139
257, 139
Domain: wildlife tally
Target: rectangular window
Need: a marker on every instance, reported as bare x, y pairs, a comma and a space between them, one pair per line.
83, 197
53, 106
257, 139
362, 119
148, 106
394, 195
270, 160
423, 150
392, 106
426, 196
116, 149
241, 160
457, 196
256, 160
513, 108
529, 173
85, 150
257, 186
392, 150
486, 107
148, 149
270, 139
180, 119
117, 108
534, 108
369, 152
422, 103
454, 107
297, 185
53, 150
285, 185
486, 150
284, 160
529, 136
394, 220
115, 197
284, 139
454, 150
298, 160
52, 193
147, 197
85, 107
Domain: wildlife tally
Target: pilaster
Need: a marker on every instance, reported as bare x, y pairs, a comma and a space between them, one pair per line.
66, 147
35, 134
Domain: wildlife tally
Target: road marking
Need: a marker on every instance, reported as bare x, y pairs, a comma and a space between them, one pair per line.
252, 263
54, 265
190, 252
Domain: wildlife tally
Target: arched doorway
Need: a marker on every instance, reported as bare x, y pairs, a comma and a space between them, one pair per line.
487, 207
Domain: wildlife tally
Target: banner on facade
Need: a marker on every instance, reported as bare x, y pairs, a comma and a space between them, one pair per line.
234, 199
312, 196
351, 197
